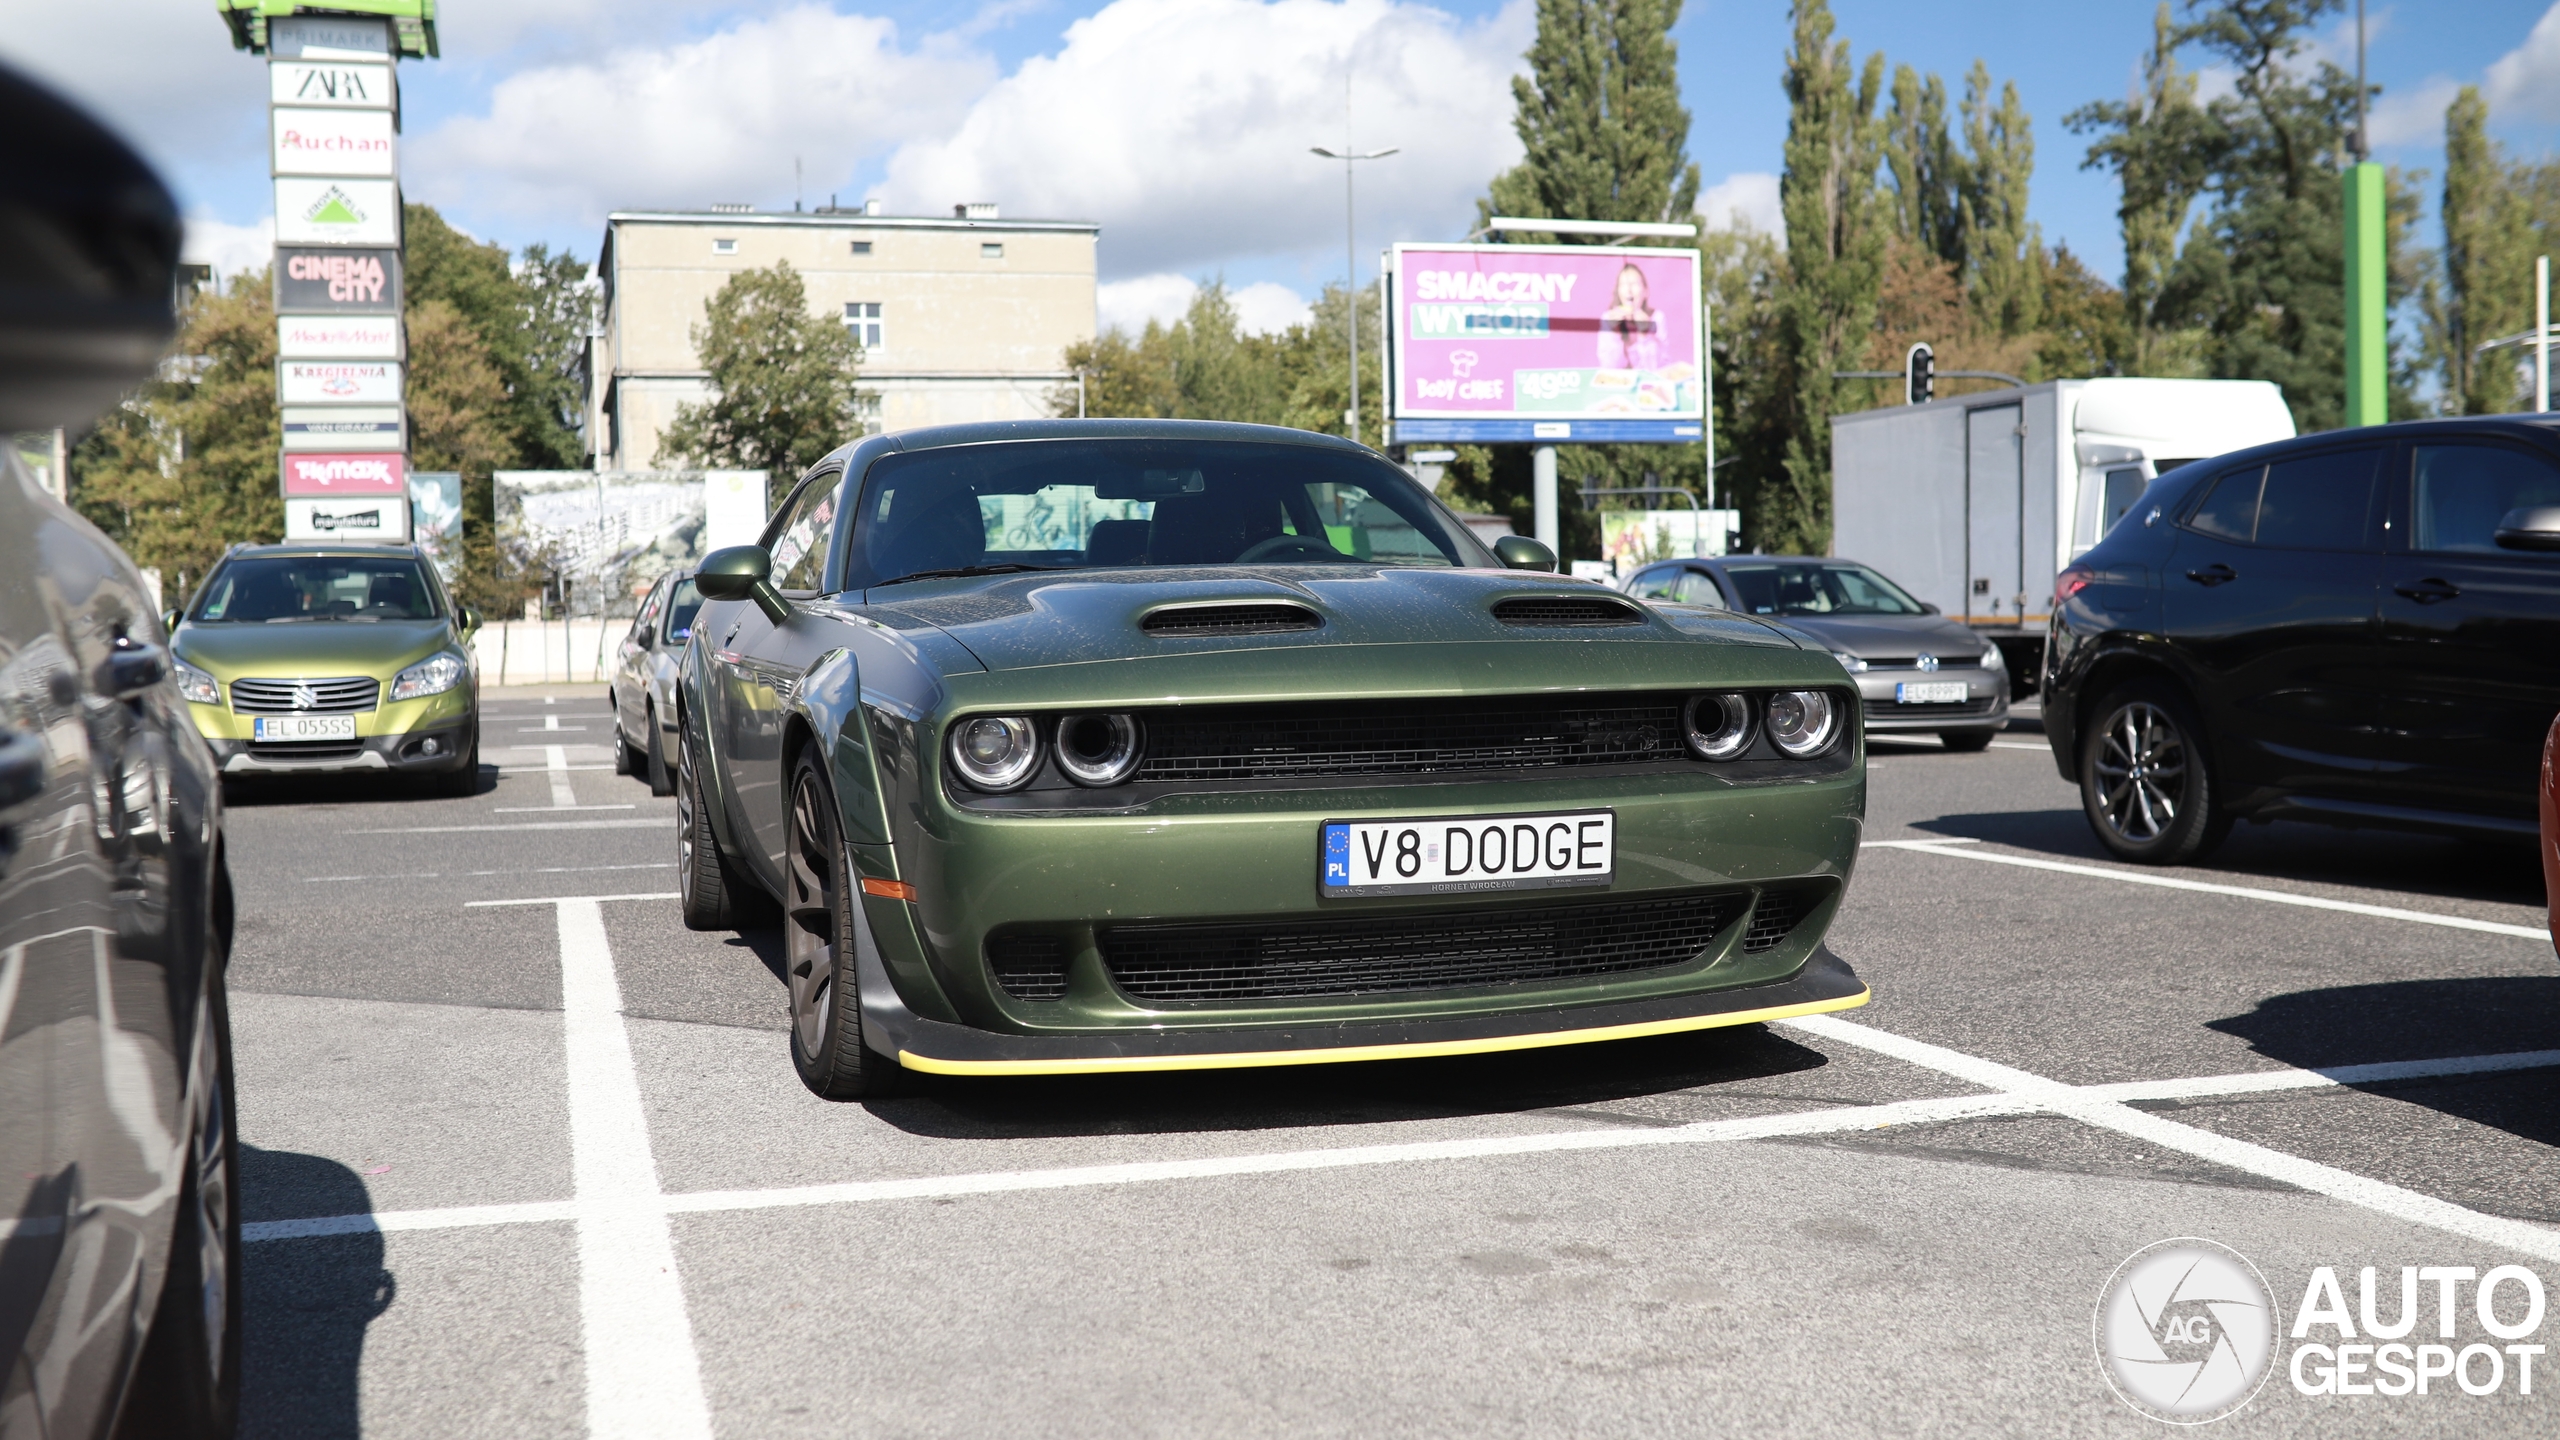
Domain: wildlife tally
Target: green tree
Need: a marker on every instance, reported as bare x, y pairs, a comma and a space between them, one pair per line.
2497, 216
2003, 251
782, 379
1200, 367
1837, 222
2158, 144
457, 421
1600, 116
187, 467
1928, 173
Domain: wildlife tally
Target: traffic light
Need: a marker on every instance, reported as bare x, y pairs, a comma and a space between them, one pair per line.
1919, 374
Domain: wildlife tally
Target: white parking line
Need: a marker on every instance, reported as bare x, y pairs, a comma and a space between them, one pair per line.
2108, 1114
566, 899
553, 809
658, 822
643, 1376
556, 759
2277, 897
2021, 745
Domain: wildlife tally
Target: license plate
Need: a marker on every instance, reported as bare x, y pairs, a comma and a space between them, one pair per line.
1929, 692
272, 728
1446, 855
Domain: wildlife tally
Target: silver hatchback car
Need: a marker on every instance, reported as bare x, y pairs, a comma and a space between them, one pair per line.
642, 688
1915, 668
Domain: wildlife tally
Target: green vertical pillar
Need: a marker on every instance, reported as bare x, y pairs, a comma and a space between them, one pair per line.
2368, 379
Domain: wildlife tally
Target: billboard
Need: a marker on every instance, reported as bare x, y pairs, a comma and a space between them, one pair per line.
338, 337
343, 427
337, 212
1629, 538
615, 532
331, 142
341, 382
326, 82
1546, 342
313, 476
381, 518
337, 282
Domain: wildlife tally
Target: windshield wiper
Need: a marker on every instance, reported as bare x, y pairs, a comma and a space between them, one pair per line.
962, 571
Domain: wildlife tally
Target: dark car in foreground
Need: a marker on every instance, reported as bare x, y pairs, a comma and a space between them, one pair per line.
2358, 628
1916, 670
1074, 746
120, 1240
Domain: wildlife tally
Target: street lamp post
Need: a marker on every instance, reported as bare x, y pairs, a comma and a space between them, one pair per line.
1350, 159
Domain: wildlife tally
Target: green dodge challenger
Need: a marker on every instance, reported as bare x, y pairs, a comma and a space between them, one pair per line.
1073, 746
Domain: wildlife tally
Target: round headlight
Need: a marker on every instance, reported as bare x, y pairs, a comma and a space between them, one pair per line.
1719, 726
1098, 749
995, 752
1803, 723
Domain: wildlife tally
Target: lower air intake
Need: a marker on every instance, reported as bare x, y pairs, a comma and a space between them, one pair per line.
1776, 917
1386, 955
1029, 966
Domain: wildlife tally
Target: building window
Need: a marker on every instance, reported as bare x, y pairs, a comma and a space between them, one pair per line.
991, 251
862, 317
866, 412
861, 247
724, 247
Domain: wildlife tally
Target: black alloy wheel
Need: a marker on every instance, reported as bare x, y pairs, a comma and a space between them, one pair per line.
2143, 779
187, 1382
818, 950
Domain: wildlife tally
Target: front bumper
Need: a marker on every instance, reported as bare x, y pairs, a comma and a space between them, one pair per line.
435, 749
1985, 706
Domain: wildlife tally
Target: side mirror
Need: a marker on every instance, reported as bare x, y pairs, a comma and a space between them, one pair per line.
2536, 527
470, 619
742, 572
1928, 609
169, 622
1519, 552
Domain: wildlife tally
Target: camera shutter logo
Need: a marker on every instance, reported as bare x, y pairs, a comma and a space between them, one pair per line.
2186, 1331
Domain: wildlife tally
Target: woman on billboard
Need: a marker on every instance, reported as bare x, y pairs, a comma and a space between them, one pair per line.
1631, 329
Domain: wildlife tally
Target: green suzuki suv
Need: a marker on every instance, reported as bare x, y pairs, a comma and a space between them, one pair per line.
324, 657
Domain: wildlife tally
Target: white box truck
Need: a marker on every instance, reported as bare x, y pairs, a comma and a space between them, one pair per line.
1974, 502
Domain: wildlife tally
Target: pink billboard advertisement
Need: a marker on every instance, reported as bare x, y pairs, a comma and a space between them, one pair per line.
338, 476
1546, 333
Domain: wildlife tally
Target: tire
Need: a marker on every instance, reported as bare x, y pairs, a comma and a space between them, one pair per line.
187, 1381
1966, 742
818, 949
2144, 782
710, 892
464, 781
661, 783
625, 755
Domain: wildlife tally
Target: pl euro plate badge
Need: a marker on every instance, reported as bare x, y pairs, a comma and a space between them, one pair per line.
290, 728
1460, 854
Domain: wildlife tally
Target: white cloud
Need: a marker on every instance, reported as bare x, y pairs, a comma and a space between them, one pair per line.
229, 249
715, 119
2527, 78
2414, 116
1183, 126
1264, 307
1744, 201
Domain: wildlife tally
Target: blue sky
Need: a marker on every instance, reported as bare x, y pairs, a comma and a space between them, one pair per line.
1181, 125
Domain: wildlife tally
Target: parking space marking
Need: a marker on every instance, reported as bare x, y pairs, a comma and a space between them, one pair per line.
666, 821
643, 1375
555, 758
1916, 844
2167, 882
567, 899
2108, 1114
2021, 745
474, 874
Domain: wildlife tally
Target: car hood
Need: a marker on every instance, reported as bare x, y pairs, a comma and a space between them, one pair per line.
1064, 619
1872, 636
311, 649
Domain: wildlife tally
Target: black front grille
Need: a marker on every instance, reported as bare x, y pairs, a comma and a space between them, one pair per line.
1896, 710
328, 697
1406, 737
1776, 917
1566, 610
1230, 620
1029, 966
1388, 955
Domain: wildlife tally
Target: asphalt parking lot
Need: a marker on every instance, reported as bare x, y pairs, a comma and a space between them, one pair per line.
524, 1157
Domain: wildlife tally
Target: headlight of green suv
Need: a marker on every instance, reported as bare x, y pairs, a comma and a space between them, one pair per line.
197, 687
432, 676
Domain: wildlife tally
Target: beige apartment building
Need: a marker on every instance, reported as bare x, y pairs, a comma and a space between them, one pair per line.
961, 317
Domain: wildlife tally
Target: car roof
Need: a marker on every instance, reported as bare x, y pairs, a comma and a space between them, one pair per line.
2540, 431
989, 432
322, 547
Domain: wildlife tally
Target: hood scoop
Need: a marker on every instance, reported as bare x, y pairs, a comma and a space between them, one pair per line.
1257, 618
1566, 610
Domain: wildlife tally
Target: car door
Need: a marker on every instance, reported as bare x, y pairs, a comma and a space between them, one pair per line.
2270, 601
2470, 633
631, 667
772, 658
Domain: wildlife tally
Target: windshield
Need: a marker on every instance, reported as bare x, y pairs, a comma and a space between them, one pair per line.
1817, 590
1097, 504
682, 606
270, 589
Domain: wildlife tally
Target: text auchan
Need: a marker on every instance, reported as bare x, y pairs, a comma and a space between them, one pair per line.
2506, 1303
1498, 285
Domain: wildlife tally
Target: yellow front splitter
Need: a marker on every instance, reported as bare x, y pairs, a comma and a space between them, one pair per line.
1350, 1054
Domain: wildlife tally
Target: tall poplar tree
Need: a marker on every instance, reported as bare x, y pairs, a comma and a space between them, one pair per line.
2492, 231
2157, 142
1837, 221
2002, 249
1600, 116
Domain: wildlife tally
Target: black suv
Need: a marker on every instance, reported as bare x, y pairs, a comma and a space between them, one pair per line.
2360, 627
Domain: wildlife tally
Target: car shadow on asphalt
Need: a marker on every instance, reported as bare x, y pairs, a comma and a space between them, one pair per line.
2499, 872
1295, 1097
307, 1303
253, 792
2424, 1020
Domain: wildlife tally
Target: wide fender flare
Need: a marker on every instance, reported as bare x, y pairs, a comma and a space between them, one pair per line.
828, 700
